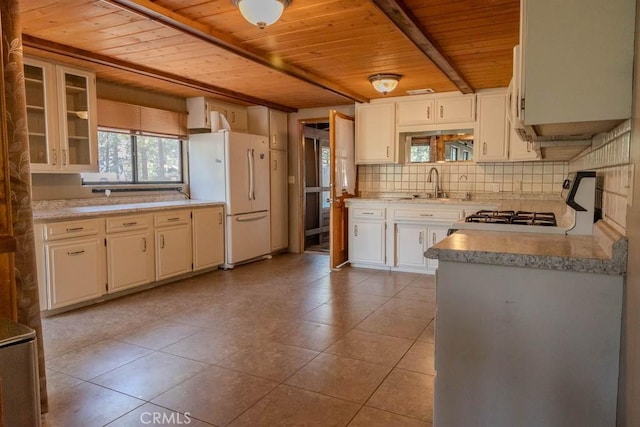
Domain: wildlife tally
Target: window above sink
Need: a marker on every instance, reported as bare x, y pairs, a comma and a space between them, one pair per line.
453, 145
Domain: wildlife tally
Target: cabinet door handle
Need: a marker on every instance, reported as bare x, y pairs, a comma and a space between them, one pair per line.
233, 117
433, 238
528, 147
75, 253
54, 155
75, 229
207, 115
387, 151
429, 112
129, 224
162, 241
484, 148
367, 213
355, 230
442, 111
220, 218
144, 244
274, 140
173, 219
426, 214
420, 237
275, 165
64, 158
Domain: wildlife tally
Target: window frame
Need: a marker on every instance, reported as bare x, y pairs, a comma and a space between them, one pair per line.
136, 183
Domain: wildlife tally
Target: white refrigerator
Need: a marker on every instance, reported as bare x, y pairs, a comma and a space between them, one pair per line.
234, 167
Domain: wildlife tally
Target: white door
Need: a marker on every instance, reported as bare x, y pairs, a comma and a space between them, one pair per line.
260, 174
238, 149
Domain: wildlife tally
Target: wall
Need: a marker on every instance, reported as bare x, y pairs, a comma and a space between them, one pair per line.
295, 150
511, 177
609, 156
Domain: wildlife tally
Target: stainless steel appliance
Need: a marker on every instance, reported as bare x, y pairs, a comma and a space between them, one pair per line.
19, 375
578, 218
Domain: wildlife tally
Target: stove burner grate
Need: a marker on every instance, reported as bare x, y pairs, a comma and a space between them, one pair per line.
545, 219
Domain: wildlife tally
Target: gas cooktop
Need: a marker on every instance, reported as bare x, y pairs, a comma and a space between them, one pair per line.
545, 219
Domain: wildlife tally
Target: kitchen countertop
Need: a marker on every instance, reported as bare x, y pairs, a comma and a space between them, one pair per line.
84, 212
604, 253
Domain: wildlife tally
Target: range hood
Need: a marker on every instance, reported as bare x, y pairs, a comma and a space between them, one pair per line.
564, 141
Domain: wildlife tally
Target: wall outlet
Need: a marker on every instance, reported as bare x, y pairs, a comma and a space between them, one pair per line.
292, 179
496, 187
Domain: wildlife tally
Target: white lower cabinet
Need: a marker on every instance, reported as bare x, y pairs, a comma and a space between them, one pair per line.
434, 235
79, 261
367, 236
410, 245
395, 236
130, 255
75, 271
173, 244
412, 240
208, 237
367, 242
73, 262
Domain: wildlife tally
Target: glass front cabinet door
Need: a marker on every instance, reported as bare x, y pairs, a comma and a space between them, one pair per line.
61, 105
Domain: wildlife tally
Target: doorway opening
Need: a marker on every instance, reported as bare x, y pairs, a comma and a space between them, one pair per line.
316, 172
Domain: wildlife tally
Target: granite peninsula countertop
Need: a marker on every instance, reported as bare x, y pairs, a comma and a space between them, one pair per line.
603, 253
41, 215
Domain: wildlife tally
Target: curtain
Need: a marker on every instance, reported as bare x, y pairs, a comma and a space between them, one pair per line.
20, 179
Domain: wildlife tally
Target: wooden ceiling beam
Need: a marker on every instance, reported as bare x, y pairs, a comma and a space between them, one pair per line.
72, 52
410, 26
167, 17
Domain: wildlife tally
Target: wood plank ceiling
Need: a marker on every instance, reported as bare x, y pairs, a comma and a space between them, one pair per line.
320, 53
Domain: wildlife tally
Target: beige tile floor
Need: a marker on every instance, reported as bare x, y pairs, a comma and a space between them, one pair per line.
278, 342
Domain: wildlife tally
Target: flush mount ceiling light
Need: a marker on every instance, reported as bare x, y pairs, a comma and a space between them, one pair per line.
261, 12
384, 83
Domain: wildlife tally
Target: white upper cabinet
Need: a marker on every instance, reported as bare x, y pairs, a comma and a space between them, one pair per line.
200, 108
376, 140
61, 114
268, 122
576, 64
416, 112
434, 109
520, 150
493, 128
457, 109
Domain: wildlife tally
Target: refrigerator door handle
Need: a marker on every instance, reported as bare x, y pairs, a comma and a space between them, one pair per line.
250, 163
254, 217
253, 174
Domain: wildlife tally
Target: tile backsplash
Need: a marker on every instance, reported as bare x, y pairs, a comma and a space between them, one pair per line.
610, 157
511, 177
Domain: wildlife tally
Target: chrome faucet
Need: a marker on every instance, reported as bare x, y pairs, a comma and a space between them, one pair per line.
438, 193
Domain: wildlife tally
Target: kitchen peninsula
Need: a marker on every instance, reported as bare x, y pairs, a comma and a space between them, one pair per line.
528, 327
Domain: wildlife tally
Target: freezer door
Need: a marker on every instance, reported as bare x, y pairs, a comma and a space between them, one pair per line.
261, 171
239, 148
247, 236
